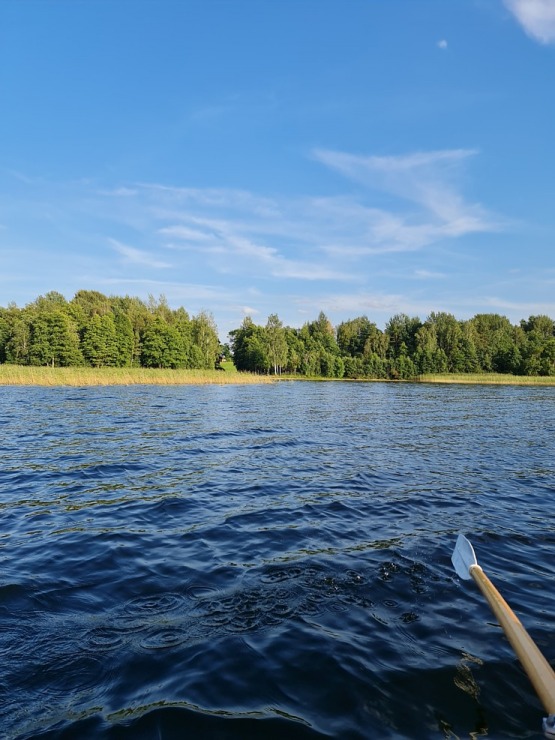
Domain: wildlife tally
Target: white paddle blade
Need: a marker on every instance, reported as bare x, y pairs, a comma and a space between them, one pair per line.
463, 557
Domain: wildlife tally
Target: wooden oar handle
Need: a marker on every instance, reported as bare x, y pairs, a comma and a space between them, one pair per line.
536, 666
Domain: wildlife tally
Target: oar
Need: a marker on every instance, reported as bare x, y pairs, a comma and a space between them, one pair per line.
536, 666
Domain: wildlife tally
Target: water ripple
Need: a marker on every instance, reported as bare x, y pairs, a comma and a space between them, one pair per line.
270, 562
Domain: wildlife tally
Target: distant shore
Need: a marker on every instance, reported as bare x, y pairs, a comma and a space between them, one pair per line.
488, 379
104, 376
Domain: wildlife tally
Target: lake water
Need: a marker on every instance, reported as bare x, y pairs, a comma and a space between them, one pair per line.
271, 561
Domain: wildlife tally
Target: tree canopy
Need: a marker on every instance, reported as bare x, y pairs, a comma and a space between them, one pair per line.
408, 347
106, 331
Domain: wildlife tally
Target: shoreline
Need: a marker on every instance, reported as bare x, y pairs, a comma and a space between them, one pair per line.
29, 375
544, 381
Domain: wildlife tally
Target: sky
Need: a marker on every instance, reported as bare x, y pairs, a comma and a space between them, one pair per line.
251, 157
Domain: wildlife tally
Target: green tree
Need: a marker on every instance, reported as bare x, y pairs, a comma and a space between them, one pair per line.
401, 330
402, 367
352, 367
542, 326
257, 351
374, 366
537, 348
449, 337
352, 335
87, 303
4, 334
495, 342
139, 317
162, 346
238, 341
19, 341
15, 335
547, 360
323, 333
125, 340
54, 340
99, 343
276, 343
160, 308
295, 348
52, 301
326, 364
183, 326
205, 339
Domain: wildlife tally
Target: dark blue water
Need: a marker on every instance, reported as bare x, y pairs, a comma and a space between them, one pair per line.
271, 561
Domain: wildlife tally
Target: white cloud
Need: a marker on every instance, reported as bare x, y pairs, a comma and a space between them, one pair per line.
537, 17
522, 309
442, 44
428, 179
239, 230
241, 234
137, 256
235, 249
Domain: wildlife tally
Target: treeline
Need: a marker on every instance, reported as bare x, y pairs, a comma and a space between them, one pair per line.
110, 331
407, 348
100, 331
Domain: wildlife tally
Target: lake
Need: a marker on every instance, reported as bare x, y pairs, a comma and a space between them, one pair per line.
271, 561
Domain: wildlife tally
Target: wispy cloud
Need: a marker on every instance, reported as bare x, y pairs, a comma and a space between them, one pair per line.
237, 251
521, 309
237, 232
428, 179
137, 256
442, 44
248, 235
249, 311
187, 234
537, 18
176, 291
377, 305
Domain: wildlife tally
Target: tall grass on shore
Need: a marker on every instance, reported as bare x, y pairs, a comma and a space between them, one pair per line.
82, 376
487, 378
89, 376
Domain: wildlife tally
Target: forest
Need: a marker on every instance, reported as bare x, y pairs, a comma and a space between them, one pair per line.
96, 330
100, 331
407, 348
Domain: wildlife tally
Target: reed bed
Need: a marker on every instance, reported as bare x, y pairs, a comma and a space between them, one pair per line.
487, 378
85, 376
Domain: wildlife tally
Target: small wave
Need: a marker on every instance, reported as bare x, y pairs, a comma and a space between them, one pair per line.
153, 604
105, 638
164, 638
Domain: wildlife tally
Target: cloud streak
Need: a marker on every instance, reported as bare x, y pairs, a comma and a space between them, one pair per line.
266, 232
427, 179
137, 256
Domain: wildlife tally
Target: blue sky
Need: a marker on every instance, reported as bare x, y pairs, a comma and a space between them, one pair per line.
248, 157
